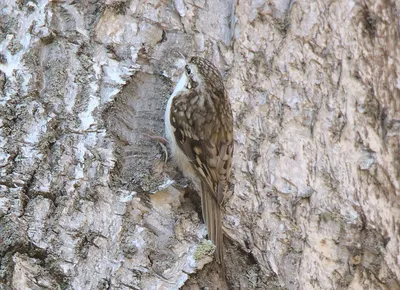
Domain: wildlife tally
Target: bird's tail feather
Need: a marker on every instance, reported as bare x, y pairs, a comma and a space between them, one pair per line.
212, 218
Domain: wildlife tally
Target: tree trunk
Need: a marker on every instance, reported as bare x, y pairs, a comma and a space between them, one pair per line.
88, 201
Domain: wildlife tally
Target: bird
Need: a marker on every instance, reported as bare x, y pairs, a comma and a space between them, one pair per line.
199, 128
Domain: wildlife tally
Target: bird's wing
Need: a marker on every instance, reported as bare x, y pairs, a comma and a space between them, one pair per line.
203, 131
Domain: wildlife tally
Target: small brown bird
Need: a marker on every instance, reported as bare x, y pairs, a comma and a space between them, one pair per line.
199, 127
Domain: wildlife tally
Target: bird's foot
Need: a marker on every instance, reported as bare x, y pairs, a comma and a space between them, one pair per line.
161, 140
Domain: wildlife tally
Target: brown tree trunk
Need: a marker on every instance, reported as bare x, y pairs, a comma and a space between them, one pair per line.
87, 200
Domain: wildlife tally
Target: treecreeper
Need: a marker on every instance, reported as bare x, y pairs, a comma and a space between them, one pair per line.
199, 128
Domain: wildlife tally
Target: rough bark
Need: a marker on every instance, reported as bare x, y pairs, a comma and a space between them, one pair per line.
87, 200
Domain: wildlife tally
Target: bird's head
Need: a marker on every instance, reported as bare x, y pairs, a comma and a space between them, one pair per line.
194, 74
199, 73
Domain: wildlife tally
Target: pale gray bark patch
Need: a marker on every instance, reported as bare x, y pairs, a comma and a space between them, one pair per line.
136, 120
87, 200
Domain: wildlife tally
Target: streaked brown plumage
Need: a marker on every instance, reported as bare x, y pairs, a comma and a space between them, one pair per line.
199, 126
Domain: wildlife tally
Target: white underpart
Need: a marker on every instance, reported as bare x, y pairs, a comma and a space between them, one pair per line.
168, 128
180, 157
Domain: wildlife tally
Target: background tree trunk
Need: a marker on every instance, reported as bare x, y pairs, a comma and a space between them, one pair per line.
87, 201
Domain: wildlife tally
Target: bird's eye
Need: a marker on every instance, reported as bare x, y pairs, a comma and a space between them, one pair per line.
187, 69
